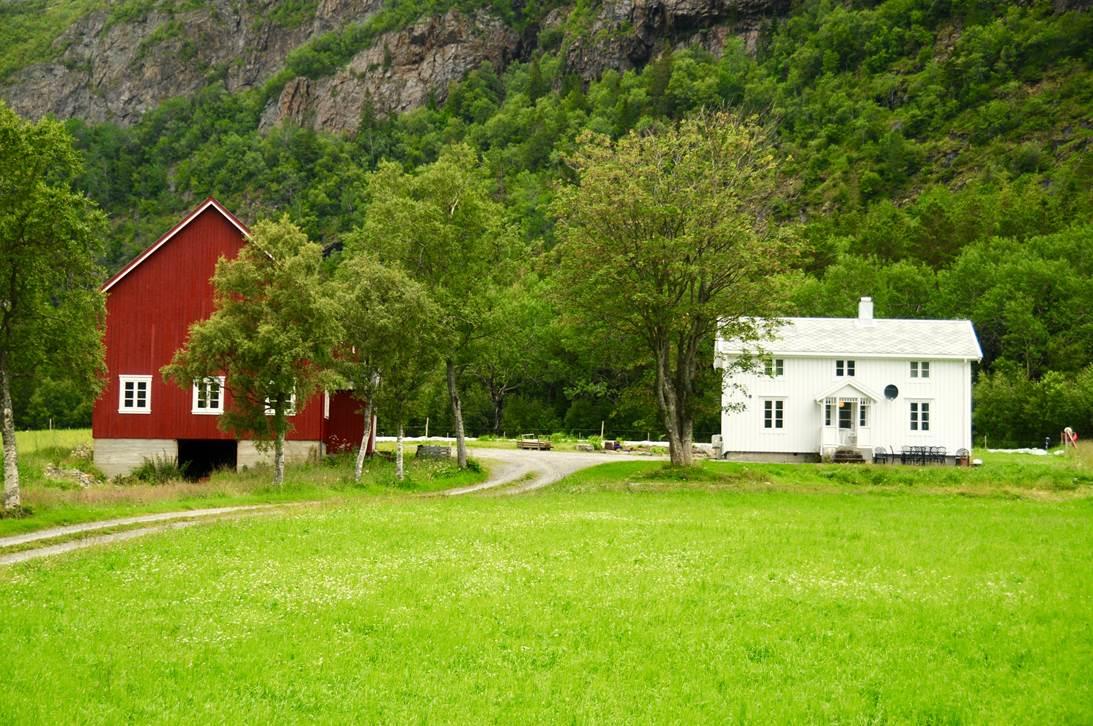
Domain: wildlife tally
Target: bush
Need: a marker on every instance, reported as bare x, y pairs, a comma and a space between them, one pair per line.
596, 441
158, 470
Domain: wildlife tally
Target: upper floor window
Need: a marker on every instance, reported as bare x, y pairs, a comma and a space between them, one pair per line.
208, 395
844, 368
772, 414
134, 394
920, 369
774, 367
920, 416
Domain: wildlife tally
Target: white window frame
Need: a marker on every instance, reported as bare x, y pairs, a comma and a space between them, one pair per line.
195, 408
776, 407
863, 414
845, 368
136, 380
289, 411
918, 418
774, 367
920, 369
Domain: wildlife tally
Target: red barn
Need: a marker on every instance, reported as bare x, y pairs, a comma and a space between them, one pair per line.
150, 305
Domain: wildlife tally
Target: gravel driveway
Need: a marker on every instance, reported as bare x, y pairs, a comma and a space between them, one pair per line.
536, 469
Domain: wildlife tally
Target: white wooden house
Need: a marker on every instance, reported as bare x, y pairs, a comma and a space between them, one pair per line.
851, 383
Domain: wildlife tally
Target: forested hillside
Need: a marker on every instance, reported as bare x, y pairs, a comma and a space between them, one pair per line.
937, 152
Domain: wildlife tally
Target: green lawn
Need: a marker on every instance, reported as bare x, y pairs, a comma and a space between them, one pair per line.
620, 595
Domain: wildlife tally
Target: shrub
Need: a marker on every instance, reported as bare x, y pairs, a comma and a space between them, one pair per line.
159, 470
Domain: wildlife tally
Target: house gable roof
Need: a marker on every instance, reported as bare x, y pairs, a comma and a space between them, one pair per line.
874, 338
151, 250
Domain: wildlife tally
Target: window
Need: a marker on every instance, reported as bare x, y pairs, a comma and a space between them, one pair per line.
772, 414
920, 369
827, 413
134, 394
774, 367
920, 416
208, 396
863, 415
844, 368
290, 408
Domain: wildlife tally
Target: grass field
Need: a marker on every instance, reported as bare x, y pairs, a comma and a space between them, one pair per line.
623, 594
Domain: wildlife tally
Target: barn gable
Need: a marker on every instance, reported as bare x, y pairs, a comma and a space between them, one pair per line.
209, 204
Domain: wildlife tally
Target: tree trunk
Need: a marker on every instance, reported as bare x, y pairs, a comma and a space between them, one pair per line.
457, 416
678, 420
279, 459
364, 442
12, 500
498, 400
400, 468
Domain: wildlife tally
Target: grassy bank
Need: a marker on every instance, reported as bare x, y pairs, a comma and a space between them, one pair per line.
53, 501
681, 604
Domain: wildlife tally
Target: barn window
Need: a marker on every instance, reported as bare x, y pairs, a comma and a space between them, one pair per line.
772, 414
920, 416
290, 406
134, 394
208, 395
774, 367
844, 368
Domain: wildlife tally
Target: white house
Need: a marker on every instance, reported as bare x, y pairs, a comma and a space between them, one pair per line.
825, 384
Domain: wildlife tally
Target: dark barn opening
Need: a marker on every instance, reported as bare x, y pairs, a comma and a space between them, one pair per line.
200, 457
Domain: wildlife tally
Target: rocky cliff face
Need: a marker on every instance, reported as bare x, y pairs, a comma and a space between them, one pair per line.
397, 73
118, 71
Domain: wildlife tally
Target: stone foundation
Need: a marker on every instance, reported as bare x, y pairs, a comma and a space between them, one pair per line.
295, 452
117, 457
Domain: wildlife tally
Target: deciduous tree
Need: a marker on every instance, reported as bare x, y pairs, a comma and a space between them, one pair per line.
51, 310
390, 342
442, 227
272, 336
668, 239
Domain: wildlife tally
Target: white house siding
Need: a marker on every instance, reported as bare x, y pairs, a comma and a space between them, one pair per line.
947, 390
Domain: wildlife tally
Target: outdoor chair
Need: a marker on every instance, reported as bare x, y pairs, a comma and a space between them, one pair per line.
880, 455
963, 457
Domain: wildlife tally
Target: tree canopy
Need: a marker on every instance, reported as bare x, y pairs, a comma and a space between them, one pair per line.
51, 310
667, 239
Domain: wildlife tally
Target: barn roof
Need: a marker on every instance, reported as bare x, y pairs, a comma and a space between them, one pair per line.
874, 338
197, 211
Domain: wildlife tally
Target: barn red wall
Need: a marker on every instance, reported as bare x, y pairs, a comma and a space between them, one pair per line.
148, 315
345, 427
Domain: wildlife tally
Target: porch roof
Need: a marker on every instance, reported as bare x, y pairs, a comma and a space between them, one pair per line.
848, 389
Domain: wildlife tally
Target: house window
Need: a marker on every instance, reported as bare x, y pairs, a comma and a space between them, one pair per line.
208, 395
920, 369
920, 416
863, 415
827, 413
134, 394
774, 367
772, 414
844, 368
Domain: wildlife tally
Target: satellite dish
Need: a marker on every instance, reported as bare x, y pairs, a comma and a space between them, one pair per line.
890, 392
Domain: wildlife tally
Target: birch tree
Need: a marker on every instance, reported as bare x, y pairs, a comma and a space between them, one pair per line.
51, 310
390, 343
441, 226
667, 239
272, 335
